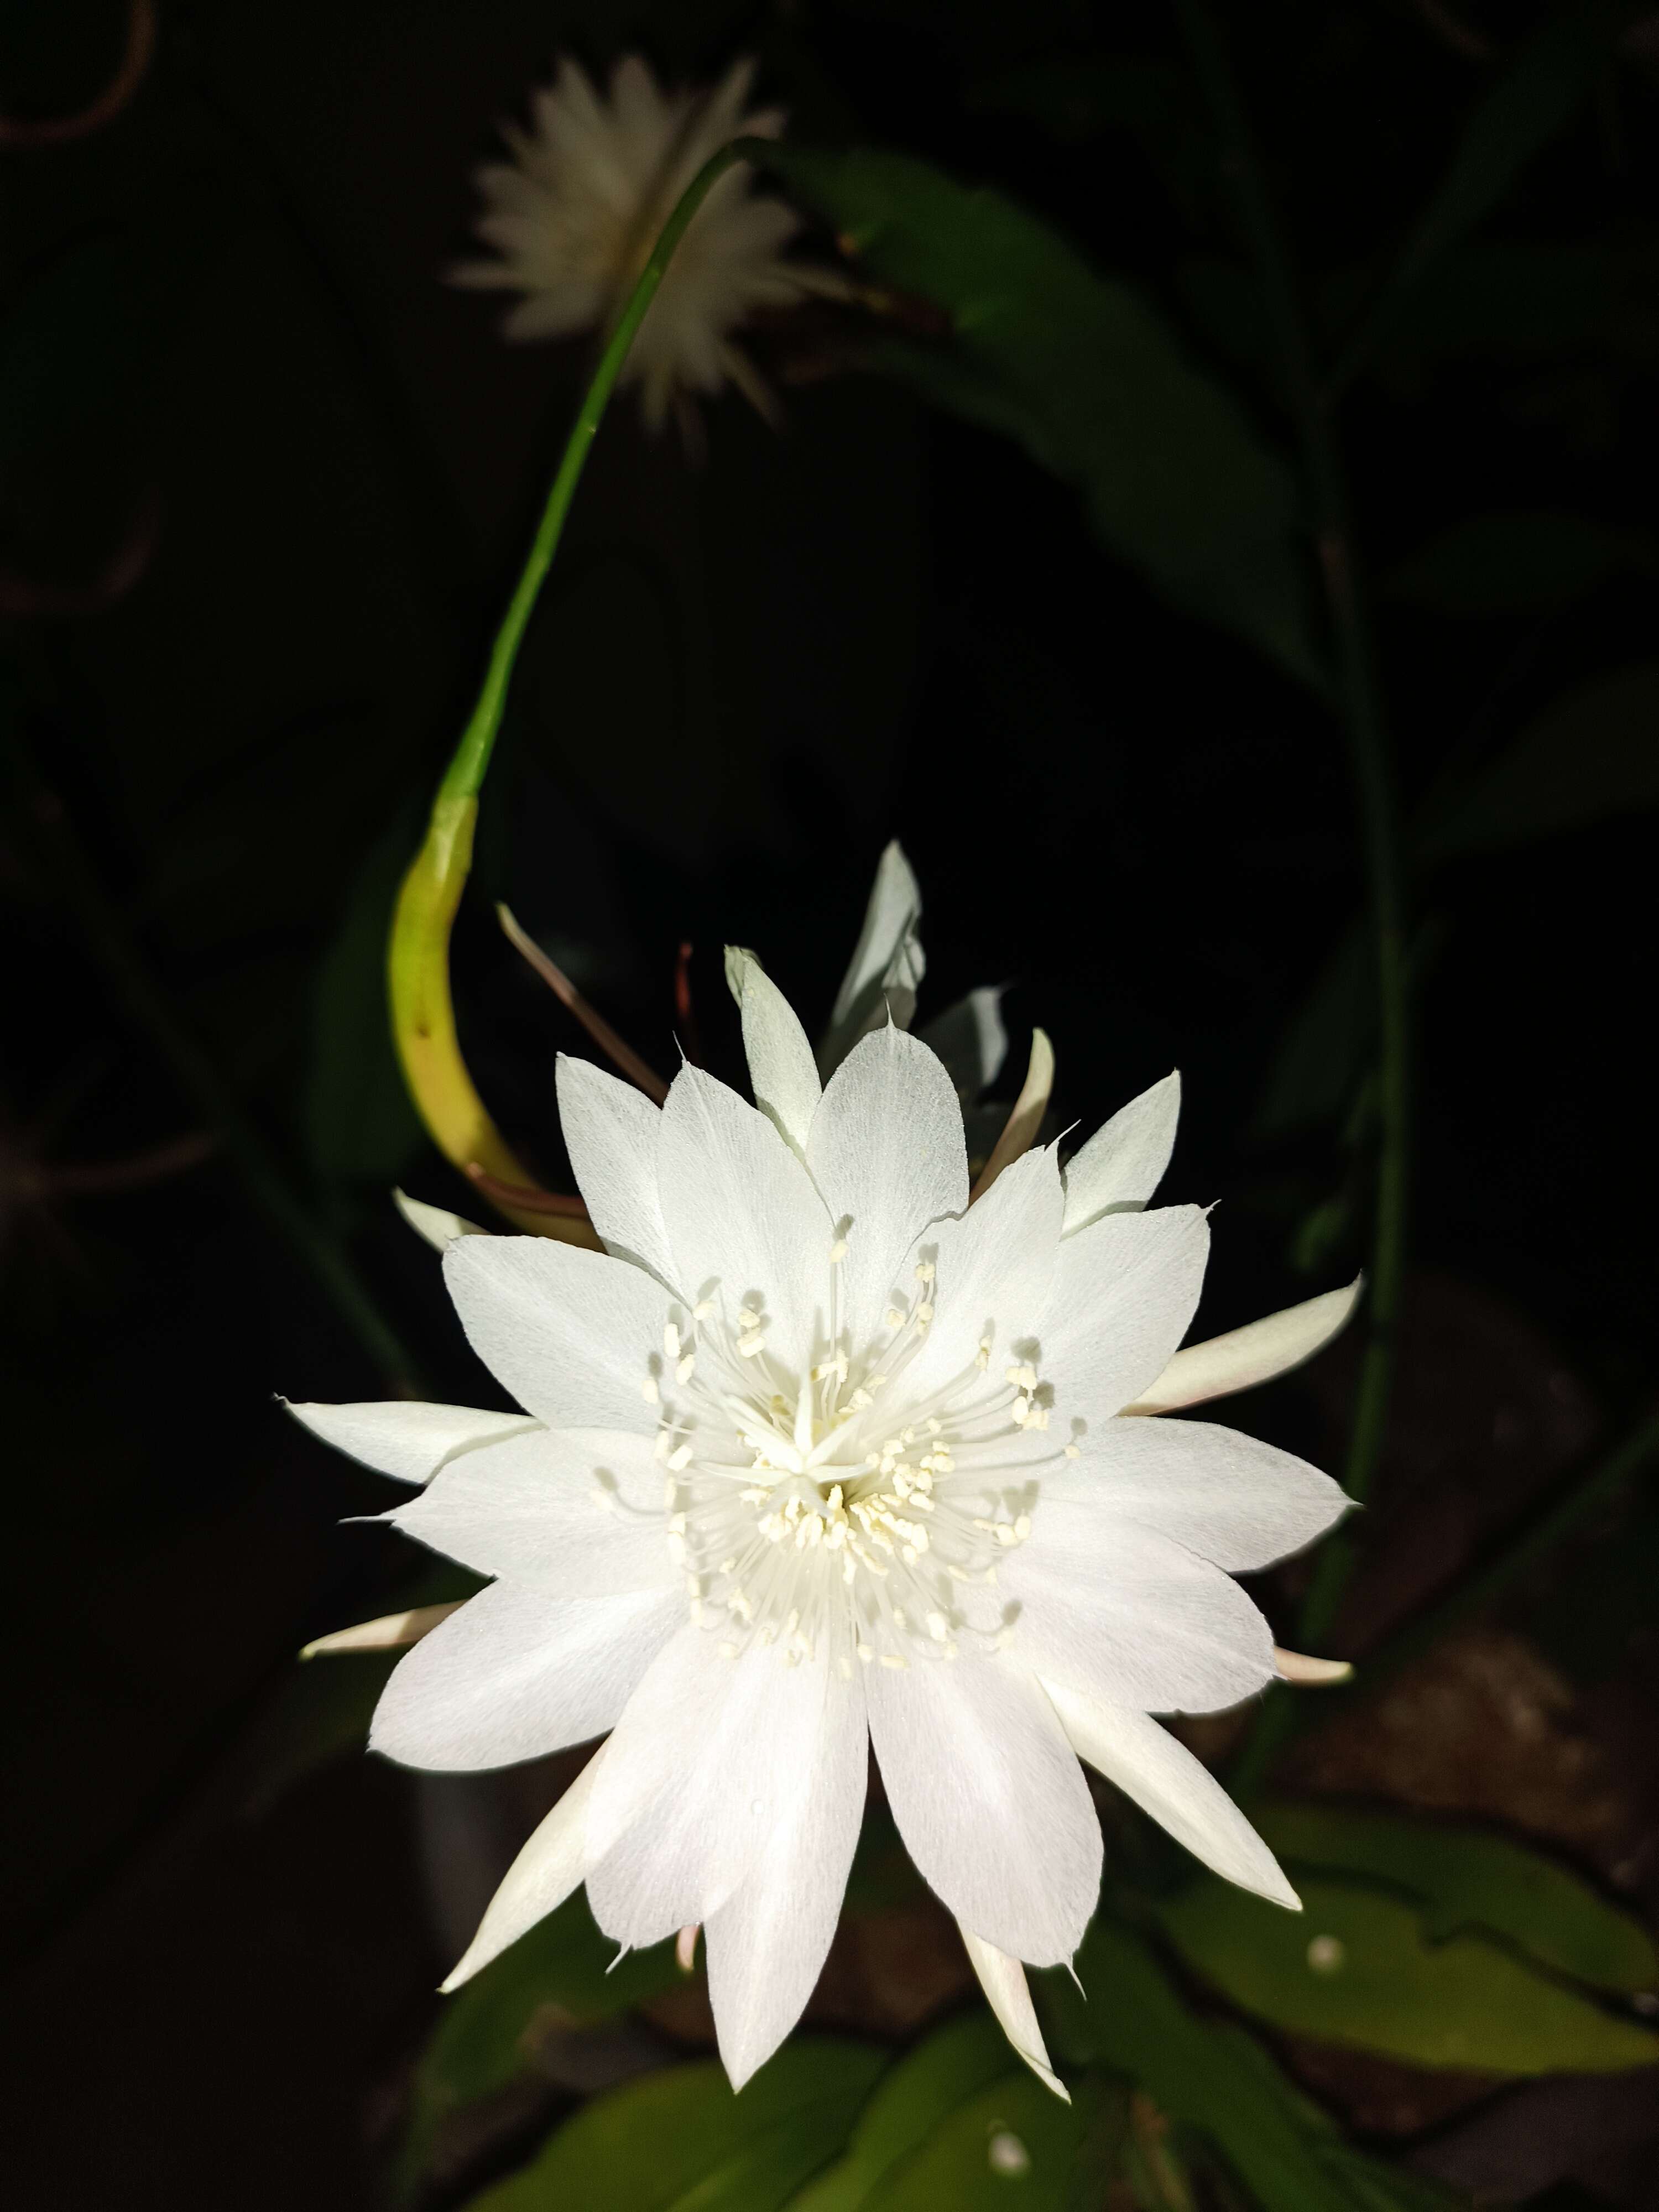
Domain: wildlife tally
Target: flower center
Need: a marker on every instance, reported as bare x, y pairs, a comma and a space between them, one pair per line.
850, 1510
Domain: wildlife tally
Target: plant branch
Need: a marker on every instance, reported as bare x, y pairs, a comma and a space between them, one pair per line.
1359, 698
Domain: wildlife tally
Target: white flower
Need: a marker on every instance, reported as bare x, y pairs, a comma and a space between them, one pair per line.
573, 216
815, 1454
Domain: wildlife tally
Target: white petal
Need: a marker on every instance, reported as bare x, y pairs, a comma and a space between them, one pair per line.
1003, 1980
391, 1632
996, 1267
1256, 1353
435, 1224
990, 1800
1234, 1500
782, 1068
1147, 1764
515, 1675
971, 1039
569, 1332
1123, 1163
710, 1756
1125, 1290
546, 1871
887, 965
742, 1212
404, 1439
767, 1944
611, 1134
1124, 1614
888, 1155
568, 1513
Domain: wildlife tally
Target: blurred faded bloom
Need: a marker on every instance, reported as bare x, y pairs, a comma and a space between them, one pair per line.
573, 216
821, 1451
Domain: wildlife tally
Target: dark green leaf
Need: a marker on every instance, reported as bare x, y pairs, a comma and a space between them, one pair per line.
1533, 97
1359, 1967
1462, 1880
916, 2097
360, 1125
1592, 754
1084, 373
1012, 2144
1498, 564
680, 2142
1326, 1049
1213, 2079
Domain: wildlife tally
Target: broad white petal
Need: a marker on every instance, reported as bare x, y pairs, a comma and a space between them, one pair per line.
566, 1513
887, 1153
1256, 1353
547, 1870
767, 1944
971, 1039
611, 1134
742, 1213
1234, 1500
1147, 1763
569, 1332
390, 1631
710, 1756
404, 1439
1125, 1290
1123, 1163
887, 966
1003, 1980
782, 1068
990, 1800
514, 1675
435, 1224
995, 1269
1122, 1613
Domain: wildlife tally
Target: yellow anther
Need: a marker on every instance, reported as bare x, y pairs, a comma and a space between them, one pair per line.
837, 1251
649, 1391
670, 1340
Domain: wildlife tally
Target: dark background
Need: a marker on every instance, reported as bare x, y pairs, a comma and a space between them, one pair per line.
264, 482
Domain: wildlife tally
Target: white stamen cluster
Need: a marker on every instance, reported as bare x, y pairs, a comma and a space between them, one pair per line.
827, 1512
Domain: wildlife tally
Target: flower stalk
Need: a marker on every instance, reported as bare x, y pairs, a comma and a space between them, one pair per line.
417, 962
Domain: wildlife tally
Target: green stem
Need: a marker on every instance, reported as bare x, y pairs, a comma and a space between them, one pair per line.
113, 947
465, 775
1359, 698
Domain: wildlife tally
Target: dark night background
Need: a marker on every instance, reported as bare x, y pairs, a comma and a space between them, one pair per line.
264, 483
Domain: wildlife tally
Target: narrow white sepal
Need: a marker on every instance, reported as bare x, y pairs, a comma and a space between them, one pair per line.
390, 1632
1019, 1131
1003, 1980
404, 1438
1145, 1761
1308, 1672
549, 1867
1123, 1163
781, 1069
434, 1224
887, 966
1258, 1352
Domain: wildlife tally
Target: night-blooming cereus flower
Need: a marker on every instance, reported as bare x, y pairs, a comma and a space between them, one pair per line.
817, 1454
573, 216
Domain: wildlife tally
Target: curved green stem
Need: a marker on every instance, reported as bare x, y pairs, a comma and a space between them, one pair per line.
418, 957
1359, 697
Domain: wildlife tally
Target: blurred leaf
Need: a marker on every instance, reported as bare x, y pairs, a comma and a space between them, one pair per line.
1610, 1595
1089, 378
1497, 298
680, 2142
1012, 2143
359, 1122
1463, 1879
1496, 564
1327, 1045
564, 1968
1078, 99
1592, 753
1215, 2079
1359, 1967
917, 2097
1535, 96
